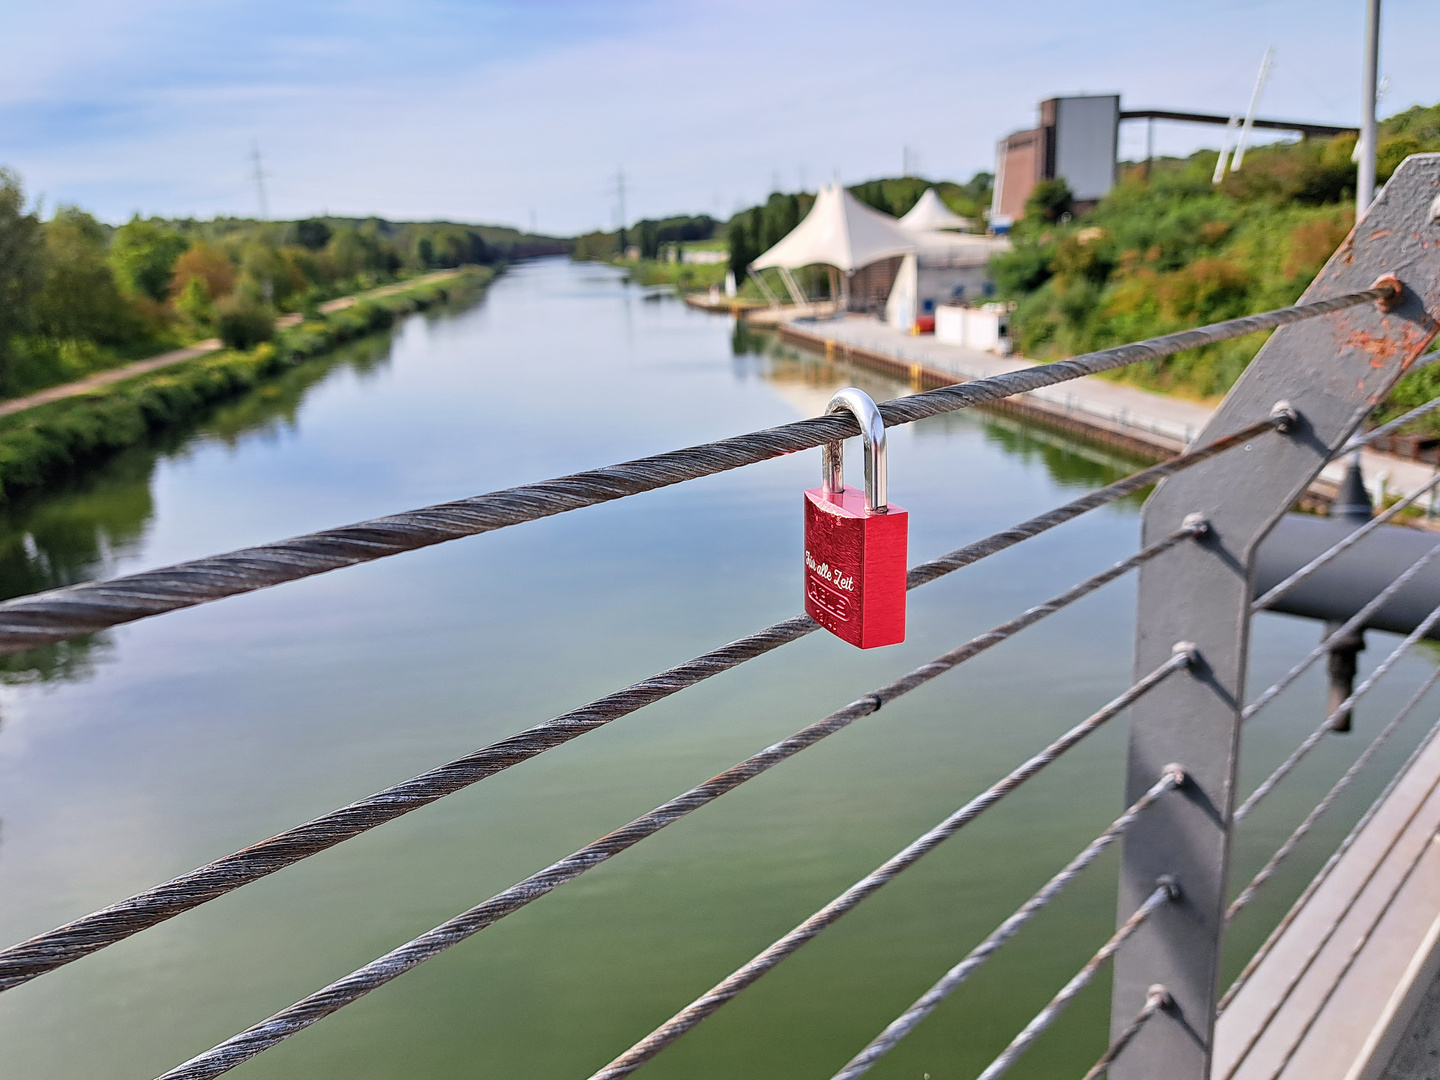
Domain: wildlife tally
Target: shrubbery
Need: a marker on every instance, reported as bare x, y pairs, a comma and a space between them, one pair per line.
242, 325
1171, 251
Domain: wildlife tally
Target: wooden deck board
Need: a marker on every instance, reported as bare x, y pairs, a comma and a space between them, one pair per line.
1329, 1004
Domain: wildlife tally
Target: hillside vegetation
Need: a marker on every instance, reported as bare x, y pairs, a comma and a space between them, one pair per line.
1171, 250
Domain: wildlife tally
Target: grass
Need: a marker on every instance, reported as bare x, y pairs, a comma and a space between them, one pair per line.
682, 275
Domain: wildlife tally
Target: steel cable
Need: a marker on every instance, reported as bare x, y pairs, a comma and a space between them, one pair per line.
1293, 840
58, 614
1355, 622
1157, 1000
727, 989
1314, 738
90, 933
1341, 546
1163, 894
323, 1002
907, 1021
1365, 438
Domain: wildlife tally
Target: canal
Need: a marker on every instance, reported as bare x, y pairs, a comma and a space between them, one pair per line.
136, 755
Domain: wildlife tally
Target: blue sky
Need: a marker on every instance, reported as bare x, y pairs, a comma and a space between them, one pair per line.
491, 111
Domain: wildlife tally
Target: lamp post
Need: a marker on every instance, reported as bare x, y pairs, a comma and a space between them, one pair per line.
1365, 178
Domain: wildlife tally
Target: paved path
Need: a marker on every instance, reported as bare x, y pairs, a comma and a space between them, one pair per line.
200, 348
1168, 423
105, 378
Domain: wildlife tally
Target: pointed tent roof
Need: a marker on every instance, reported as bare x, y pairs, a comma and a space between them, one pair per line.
841, 231
930, 213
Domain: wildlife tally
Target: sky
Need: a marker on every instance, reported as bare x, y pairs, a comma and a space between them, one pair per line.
511, 112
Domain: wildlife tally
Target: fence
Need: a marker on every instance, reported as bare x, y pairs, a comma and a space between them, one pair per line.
1336, 354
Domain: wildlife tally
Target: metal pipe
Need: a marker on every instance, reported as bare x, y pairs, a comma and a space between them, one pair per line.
1347, 583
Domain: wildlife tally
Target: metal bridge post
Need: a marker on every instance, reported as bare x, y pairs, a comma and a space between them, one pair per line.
1330, 371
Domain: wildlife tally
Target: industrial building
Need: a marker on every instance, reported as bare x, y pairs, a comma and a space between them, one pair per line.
1077, 140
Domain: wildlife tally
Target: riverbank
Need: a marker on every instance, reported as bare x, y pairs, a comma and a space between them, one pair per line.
1151, 425
56, 431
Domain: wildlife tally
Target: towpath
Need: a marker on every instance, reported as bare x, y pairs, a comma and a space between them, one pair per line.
1140, 419
200, 348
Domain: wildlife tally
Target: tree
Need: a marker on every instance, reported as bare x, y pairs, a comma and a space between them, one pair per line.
79, 299
206, 264
313, 234
649, 238
242, 323
352, 252
143, 256
1049, 200
780, 215
195, 305
22, 265
742, 249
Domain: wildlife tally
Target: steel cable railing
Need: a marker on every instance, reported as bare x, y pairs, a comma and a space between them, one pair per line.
747, 974
1313, 739
910, 1019
1157, 1000
1165, 892
86, 608
1341, 546
1386, 514
352, 987
1355, 622
81, 937
1367, 437
1293, 840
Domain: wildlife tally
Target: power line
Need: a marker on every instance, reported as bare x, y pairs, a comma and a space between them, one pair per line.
257, 175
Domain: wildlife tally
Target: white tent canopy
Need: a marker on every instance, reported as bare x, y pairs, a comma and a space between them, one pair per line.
839, 231
930, 214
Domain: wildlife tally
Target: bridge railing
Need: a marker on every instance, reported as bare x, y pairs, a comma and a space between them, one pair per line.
1336, 354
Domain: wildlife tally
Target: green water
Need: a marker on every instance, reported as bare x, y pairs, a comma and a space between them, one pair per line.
141, 753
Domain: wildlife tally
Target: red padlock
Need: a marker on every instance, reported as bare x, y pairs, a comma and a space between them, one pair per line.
855, 542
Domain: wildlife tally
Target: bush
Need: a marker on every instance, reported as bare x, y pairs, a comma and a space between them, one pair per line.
1050, 200
242, 326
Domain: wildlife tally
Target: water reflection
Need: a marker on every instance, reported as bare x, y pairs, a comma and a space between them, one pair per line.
807, 381
76, 530
199, 733
82, 525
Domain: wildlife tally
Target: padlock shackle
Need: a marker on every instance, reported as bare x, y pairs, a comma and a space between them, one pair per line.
872, 433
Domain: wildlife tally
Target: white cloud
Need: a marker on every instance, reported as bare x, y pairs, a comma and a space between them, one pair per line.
426, 111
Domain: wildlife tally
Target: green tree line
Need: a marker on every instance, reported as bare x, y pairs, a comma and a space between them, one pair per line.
78, 295
647, 234
753, 231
